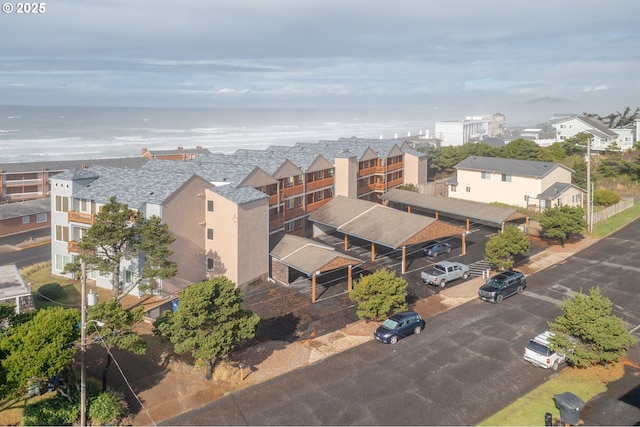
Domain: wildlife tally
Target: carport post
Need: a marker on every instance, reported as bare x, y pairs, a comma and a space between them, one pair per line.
436, 214
409, 208
349, 280
346, 243
404, 259
502, 228
464, 244
467, 223
313, 287
373, 251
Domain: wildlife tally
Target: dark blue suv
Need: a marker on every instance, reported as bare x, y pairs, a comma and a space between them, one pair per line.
399, 326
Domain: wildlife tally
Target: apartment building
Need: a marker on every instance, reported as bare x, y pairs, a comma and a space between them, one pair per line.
472, 128
224, 208
602, 135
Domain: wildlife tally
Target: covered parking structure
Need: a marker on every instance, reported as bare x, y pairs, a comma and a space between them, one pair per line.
380, 225
464, 210
290, 253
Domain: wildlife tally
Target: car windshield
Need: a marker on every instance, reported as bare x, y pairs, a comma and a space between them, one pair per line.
538, 348
494, 283
390, 324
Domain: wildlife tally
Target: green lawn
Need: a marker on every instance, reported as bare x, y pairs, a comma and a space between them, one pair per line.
611, 224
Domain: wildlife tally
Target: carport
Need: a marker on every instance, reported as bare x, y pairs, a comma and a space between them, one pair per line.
307, 256
379, 224
481, 213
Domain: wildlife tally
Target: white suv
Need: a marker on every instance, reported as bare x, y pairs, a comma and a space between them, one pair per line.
538, 352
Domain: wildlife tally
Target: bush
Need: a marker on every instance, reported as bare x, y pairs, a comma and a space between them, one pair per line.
379, 294
604, 197
50, 291
54, 411
107, 408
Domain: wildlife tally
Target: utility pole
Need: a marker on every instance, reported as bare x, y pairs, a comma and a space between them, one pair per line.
589, 185
83, 346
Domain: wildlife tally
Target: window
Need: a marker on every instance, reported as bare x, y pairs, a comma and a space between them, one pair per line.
209, 233
62, 204
299, 223
299, 201
486, 175
61, 261
26, 219
468, 189
506, 177
329, 173
289, 204
85, 206
210, 264
288, 227
210, 206
62, 233
452, 188
318, 175
41, 217
289, 182
128, 276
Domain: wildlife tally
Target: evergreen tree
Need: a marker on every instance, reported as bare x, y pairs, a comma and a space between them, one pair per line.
502, 247
209, 322
588, 333
379, 294
560, 222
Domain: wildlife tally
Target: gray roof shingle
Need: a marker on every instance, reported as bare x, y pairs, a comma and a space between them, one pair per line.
508, 166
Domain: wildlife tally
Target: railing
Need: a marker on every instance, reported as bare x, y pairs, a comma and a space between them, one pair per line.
313, 185
394, 183
293, 213
371, 170
394, 167
317, 205
72, 246
295, 189
83, 218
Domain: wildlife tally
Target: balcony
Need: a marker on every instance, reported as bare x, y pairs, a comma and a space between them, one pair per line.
294, 189
293, 213
321, 183
80, 217
72, 246
395, 183
394, 167
371, 171
317, 205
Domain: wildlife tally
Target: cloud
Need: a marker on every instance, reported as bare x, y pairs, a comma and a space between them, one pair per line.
327, 52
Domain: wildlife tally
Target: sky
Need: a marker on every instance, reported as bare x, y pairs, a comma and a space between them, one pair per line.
430, 54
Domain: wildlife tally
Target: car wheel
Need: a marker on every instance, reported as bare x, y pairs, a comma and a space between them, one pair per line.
499, 299
393, 340
520, 289
465, 276
417, 330
443, 283
554, 367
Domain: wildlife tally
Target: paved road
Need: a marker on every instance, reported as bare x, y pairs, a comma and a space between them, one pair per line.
463, 368
29, 255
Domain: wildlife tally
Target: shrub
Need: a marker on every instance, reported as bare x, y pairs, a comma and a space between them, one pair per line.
379, 294
604, 197
50, 291
54, 411
107, 408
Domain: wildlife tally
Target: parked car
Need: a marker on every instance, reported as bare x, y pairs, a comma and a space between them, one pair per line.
502, 286
399, 326
436, 249
441, 273
537, 352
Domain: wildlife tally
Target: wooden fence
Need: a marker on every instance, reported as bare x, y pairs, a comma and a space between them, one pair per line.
624, 203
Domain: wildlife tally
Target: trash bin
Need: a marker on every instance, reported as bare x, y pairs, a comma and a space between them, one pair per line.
570, 406
548, 419
174, 305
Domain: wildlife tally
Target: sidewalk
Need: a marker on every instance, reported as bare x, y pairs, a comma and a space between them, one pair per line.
171, 395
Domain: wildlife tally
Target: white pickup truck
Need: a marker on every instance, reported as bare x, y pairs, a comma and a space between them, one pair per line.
538, 353
445, 271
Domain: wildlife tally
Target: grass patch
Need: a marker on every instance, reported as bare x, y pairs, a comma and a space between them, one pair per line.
38, 275
531, 408
613, 223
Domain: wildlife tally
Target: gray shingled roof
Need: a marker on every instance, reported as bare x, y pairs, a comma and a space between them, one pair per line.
598, 126
379, 224
508, 166
454, 208
63, 165
11, 283
308, 256
28, 207
554, 191
239, 195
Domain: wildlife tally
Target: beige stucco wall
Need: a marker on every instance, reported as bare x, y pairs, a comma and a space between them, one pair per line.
240, 245
183, 212
559, 174
346, 177
494, 189
415, 169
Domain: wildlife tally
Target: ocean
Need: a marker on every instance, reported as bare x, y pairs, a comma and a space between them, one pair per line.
33, 134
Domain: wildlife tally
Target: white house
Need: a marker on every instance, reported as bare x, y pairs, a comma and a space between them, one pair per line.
602, 135
525, 183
